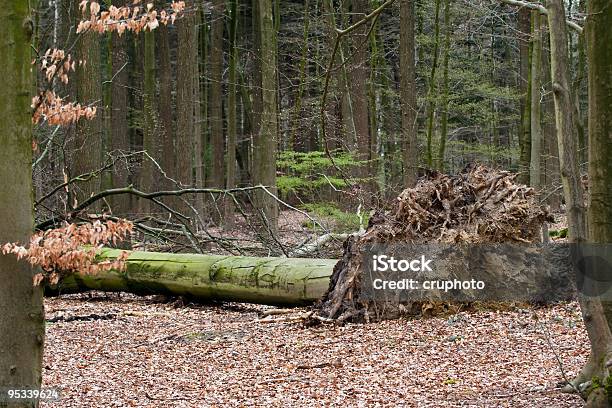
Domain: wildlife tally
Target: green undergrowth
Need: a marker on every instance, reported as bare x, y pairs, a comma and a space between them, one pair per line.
339, 221
305, 173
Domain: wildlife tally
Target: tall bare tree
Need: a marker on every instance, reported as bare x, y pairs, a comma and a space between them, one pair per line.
185, 97
265, 146
21, 309
88, 136
408, 91
216, 98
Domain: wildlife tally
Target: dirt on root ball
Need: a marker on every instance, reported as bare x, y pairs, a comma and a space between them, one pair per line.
478, 205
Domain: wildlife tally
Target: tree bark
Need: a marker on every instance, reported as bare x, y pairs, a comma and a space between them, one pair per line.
358, 77
199, 125
184, 100
591, 307
166, 127
216, 99
524, 138
445, 85
21, 309
599, 40
408, 92
149, 142
87, 155
266, 142
232, 125
294, 281
535, 164
431, 85
120, 138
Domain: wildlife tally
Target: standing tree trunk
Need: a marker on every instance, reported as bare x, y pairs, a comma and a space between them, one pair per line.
550, 149
599, 38
199, 125
296, 143
120, 137
231, 114
445, 91
149, 144
184, 100
524, 137
87, 156
264, 165
165, 106
591, 307
216, 99
358, 77
21, 310
535, 164
408, 92
431, 85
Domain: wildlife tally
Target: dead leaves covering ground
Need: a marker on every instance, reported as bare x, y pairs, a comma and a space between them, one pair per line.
130, 351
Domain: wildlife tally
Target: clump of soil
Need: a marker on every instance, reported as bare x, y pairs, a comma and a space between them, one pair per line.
478, 205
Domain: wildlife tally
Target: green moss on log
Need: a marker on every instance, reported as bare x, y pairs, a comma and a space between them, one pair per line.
294, 281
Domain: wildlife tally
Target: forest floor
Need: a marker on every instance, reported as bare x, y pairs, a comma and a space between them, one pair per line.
110, 350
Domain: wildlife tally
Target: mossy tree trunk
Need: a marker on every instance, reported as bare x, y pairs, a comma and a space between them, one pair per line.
294, 281
149, 142
21, 309
599, 40
593, 315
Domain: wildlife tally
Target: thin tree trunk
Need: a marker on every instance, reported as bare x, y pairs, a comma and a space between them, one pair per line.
22, 327
408, 92
231, 113
431, 85
445, 90
552, 178
166, 127
524, 137
535, 166
198, 134
149, 144
297, 144
358, 77
216, 100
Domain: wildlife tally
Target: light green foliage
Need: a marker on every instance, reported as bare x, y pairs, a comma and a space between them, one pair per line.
342, 221
304, 173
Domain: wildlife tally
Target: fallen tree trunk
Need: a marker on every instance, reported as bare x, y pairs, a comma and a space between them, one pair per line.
274, 281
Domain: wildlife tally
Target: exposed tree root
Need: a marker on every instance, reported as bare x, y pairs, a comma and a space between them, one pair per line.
479, 205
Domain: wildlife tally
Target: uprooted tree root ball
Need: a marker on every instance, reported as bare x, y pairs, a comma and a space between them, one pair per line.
478, 205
